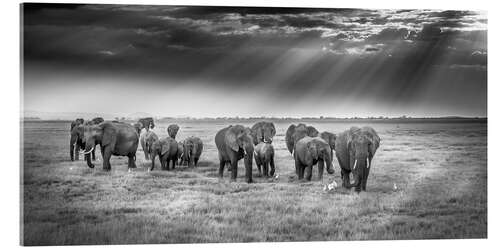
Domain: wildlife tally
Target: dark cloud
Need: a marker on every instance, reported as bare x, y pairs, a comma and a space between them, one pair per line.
340, 49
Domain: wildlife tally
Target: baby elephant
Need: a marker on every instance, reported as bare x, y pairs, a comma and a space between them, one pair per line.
193, 147
264, 156
166, 148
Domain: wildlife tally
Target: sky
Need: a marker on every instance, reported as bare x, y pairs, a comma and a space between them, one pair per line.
241, 61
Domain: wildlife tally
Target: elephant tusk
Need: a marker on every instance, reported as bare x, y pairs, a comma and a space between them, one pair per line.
355, 163
86, 153
367, 162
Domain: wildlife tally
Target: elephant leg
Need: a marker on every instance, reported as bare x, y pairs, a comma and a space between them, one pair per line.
105, 159
102, 153
248, 172
221, 168
271, 163
71, 151
234, 170
259, 169
265, 167
93, 154
196, 162
321, 167
308, 172
173, 163
299, 170
152, 163
131, 161
345, 178
359, 179
162, 162
77, 152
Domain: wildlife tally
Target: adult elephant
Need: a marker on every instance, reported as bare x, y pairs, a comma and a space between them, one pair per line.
296, 132
114, 138
355, 149
263, 131
147, 139
193, 147
172, 130
235, 143
310, 151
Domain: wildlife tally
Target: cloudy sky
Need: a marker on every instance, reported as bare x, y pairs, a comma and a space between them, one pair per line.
229, 61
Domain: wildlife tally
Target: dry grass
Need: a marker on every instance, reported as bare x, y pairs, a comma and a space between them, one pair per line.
440, 170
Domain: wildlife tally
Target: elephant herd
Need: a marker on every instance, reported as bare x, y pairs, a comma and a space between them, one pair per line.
122, 139
354, 148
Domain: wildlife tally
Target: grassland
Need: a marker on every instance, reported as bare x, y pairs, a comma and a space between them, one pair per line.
439, 169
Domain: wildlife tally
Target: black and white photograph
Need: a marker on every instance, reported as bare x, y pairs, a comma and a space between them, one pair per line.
168, 124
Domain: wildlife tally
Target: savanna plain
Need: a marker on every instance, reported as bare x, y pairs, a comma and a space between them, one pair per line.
427, 181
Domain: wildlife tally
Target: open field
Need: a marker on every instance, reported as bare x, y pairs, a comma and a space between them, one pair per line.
439, 169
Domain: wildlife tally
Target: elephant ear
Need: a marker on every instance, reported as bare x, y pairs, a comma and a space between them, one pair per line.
108, 134
232, 140
374, 143
312, 131
165, 147
329, 138
273, 129
253, 134
289, 137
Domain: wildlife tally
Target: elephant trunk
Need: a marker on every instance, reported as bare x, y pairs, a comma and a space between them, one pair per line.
248, 166
89, 161
329, 166
359, 168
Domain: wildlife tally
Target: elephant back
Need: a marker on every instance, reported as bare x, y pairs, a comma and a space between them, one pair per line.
169, 146
124, 130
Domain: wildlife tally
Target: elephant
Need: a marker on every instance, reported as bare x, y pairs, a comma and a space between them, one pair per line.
330, 139
233, 144
147, 139
146, 123
114, 138
355, 149
264, 157
166, 149
263, 131
172, 130
193, 147
296, 132
308, 152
